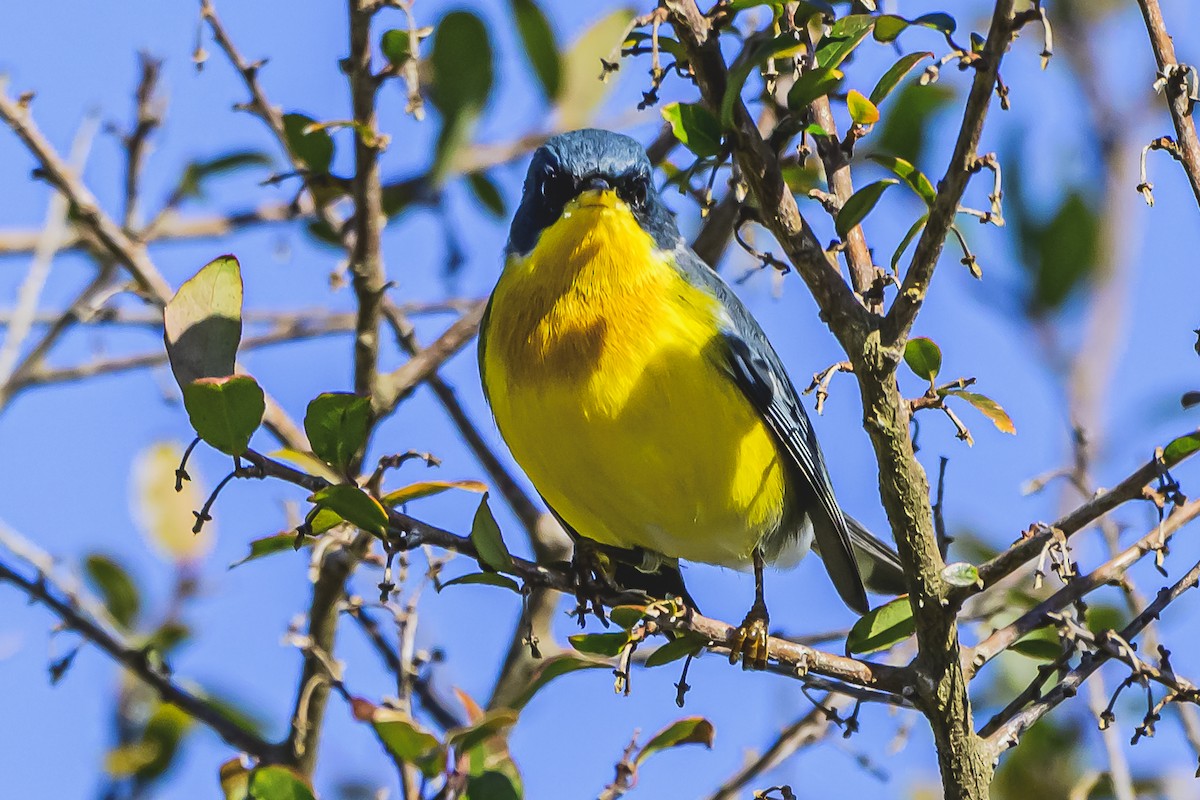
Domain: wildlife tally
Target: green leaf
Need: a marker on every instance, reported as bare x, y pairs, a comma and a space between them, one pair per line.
485, 535
202, 323
279, 783
908, 237
552, 668
741, 71
582, 90
462, 68
395, 45
537, 40
961, 573
600, 644
888, 27
337, 425
859, 205
694, 126
116, 589
891, 79
267, 546
405, 739
153, 752
845, 35
487, 193
191, 184
324, 520
627, 616
491, 724
1180, 448
905, 131
881, 627
988, 407
938, 21
313, 147
923, 357
225, 412
353, 505
811, 85
1060, 254
679, 647
1103, 617
692, 730
416, 491
813, 129
462, 64
912, 177
1042, 644
862, 110
485, 579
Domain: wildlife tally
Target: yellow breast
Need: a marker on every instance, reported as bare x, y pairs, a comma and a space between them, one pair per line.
599, 363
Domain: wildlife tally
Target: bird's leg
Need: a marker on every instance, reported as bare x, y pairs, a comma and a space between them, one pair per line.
588, 567
749, 640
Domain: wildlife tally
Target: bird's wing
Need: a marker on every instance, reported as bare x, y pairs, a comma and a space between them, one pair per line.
755, 367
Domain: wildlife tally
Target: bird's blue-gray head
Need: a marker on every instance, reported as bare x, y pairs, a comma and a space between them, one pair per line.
583, 160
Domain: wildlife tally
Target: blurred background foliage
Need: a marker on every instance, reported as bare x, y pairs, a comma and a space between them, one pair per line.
1080, 327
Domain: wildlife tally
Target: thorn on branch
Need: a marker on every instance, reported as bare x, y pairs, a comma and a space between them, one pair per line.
1145, 188
181, 473
820, 382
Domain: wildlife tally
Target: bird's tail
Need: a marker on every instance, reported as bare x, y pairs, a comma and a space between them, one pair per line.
877, 561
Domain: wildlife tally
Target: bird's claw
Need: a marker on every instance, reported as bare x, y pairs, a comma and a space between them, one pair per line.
591, 582
749, 640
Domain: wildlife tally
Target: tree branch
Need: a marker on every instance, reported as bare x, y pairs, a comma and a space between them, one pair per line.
1180, 101
915, 285
138, 663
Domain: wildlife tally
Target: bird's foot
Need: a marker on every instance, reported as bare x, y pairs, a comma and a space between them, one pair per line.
749, 640
589, 572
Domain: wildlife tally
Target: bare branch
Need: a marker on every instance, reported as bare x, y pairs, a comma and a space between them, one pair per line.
1179, 82
138, 663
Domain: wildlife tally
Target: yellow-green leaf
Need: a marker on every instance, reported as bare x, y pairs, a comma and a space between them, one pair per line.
420, 489
862, 110
406, 740
881, 627
582, 90
988, 407
202, 323
493, 723
163, 514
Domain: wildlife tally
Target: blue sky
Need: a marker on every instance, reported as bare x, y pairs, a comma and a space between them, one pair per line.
66, 451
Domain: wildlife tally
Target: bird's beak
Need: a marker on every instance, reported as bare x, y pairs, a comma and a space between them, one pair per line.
597, 193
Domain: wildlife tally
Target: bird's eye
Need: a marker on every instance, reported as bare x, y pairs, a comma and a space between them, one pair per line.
634, 189
556, 186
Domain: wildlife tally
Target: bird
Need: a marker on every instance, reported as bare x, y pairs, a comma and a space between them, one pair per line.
641, 398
